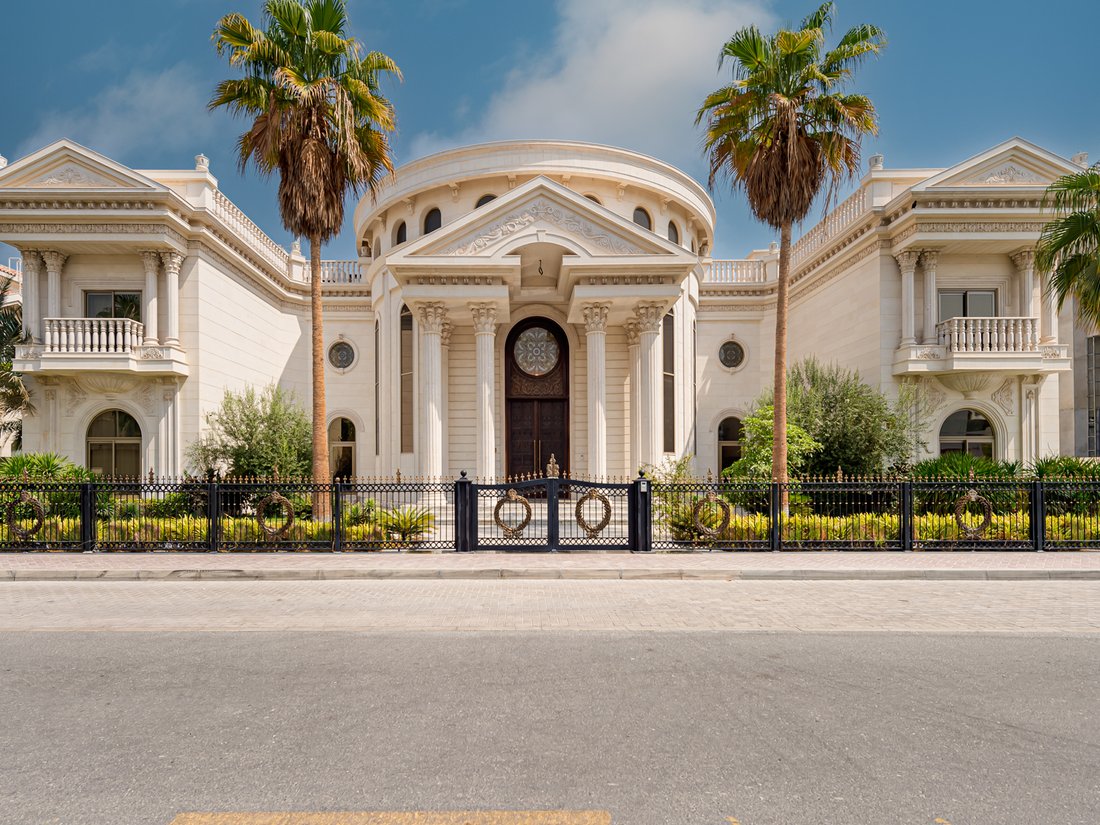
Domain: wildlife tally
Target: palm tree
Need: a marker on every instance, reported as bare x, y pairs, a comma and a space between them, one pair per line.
1069, 246
782, 131
320, 121
15, 399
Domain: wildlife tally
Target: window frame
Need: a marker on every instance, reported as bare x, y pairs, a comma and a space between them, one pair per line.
114, 293
114, 442
648, 225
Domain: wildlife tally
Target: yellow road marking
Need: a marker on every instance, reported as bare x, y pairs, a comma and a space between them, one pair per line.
733, 820
941, 821
407, 818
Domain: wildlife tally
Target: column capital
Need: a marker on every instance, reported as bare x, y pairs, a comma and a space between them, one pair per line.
32, 261
53, 260
172, 262
151, 261
432, 317
485, 318
928, 259
1024, 259
631, 327
595, 317
649, 317
445, 333
908, 260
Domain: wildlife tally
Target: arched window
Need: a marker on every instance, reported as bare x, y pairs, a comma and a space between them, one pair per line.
341, 446
406, 380
729, 442
484, 199
114, 445
641, 217
365, 249
668, 359
433, 220
673, 233
400, 234
594, 199
967, 431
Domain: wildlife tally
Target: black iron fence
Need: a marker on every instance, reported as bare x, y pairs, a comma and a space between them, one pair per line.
558, 514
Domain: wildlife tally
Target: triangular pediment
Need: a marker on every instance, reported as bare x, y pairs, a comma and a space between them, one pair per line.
65, 165
1013, 164
544, 211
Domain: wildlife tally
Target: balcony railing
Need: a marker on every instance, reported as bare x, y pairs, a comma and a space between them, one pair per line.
94, 336
231, 215
340, 272
734, 272
846, 214
990, 334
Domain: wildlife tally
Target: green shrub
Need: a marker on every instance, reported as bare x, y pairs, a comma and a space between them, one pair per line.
406, 524
360, 512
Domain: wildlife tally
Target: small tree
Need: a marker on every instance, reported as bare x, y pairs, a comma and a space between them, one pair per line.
757, 439
255, 434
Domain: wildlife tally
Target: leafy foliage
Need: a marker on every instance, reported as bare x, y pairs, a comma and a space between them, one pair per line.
756, 446
42, 467
406, 524
1069, 246
255, 434
15, 398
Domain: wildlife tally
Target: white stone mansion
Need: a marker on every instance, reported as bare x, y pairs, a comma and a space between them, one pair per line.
516, 300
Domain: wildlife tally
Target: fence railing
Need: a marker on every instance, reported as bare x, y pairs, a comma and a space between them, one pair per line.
552, 513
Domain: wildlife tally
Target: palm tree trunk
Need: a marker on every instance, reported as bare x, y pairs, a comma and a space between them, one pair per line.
320, 428
779, 426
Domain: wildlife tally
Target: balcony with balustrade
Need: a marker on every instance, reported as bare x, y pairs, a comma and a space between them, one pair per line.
79, 345
985, 344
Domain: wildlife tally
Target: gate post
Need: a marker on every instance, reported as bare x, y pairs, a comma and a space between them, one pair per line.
213, 516
462, 513
1038, 517
337, 516
642, 523
905, 514
552, 538
774, 534
87, 517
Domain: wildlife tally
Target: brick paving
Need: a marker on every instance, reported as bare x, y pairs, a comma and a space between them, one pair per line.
807, 565
784, 606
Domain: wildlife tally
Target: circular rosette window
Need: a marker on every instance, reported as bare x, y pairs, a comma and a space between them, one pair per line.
536, 351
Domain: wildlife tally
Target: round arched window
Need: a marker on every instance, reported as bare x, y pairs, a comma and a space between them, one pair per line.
114, 445
433, 220
594, 199
729, 441
731, 354
967, 431
484, 199
341, 355
400, 234
641, 217
673, 233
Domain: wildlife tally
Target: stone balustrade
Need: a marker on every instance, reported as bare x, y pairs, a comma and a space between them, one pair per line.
340, 272
93, 336
847, 213
989, 334
229, 214
734, 272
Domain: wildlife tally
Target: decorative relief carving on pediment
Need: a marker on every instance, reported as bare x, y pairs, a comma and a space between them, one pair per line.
71, 175
1009, 173
541, 210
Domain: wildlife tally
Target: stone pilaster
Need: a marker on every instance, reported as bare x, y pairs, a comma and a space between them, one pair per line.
485, 330
595, 326
432, 317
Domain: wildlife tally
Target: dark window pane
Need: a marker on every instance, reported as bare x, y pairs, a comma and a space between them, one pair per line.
101, 459
127, 426
402, 233
484, 199
730, 429
955, 424
951, 305
668, 343
128, 305
670, 414
673, 232
127, 459
641, 217
99, 304
432, 221
103, 426
981, 304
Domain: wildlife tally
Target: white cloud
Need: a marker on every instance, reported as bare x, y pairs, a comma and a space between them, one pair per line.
161, 110
625, 72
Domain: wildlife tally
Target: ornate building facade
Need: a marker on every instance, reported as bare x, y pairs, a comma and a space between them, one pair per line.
518, 300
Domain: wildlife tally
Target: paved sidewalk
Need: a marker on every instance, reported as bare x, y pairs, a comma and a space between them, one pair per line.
713, 566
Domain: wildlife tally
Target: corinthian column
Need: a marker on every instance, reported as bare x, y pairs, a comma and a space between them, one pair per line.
445, 345
928, 260
54, 261
32, 267
432, 317
908, 263
649, 317
1025, 275
485, 330
151, 261
595, 326
631, 327
172, 262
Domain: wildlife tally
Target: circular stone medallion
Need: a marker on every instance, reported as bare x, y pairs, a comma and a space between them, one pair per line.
536, 351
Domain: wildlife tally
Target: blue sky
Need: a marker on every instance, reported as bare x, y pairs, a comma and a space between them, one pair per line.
131, 78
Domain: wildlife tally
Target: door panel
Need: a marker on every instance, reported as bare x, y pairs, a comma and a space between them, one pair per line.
552, 438
522, 434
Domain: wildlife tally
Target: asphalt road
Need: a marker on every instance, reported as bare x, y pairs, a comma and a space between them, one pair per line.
686, 728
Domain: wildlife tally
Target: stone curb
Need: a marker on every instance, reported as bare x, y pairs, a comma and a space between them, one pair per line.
542, 573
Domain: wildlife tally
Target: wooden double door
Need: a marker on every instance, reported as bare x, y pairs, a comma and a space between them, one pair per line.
536, 397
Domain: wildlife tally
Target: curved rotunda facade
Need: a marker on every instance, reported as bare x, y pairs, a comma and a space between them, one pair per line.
519, 301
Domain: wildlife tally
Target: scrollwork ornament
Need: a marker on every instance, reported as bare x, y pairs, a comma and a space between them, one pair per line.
965, 501
14, 527
515, 530
278, 499
702, 527
591, 531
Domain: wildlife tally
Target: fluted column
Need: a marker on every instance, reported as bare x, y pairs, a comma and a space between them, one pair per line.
908, 263
1048, 311
928, 260
445, 411
649, 317
172, 262
32, 268
1025, 274
595, 326
151, 261
432, 317
485, 330
631, 327
55, 262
